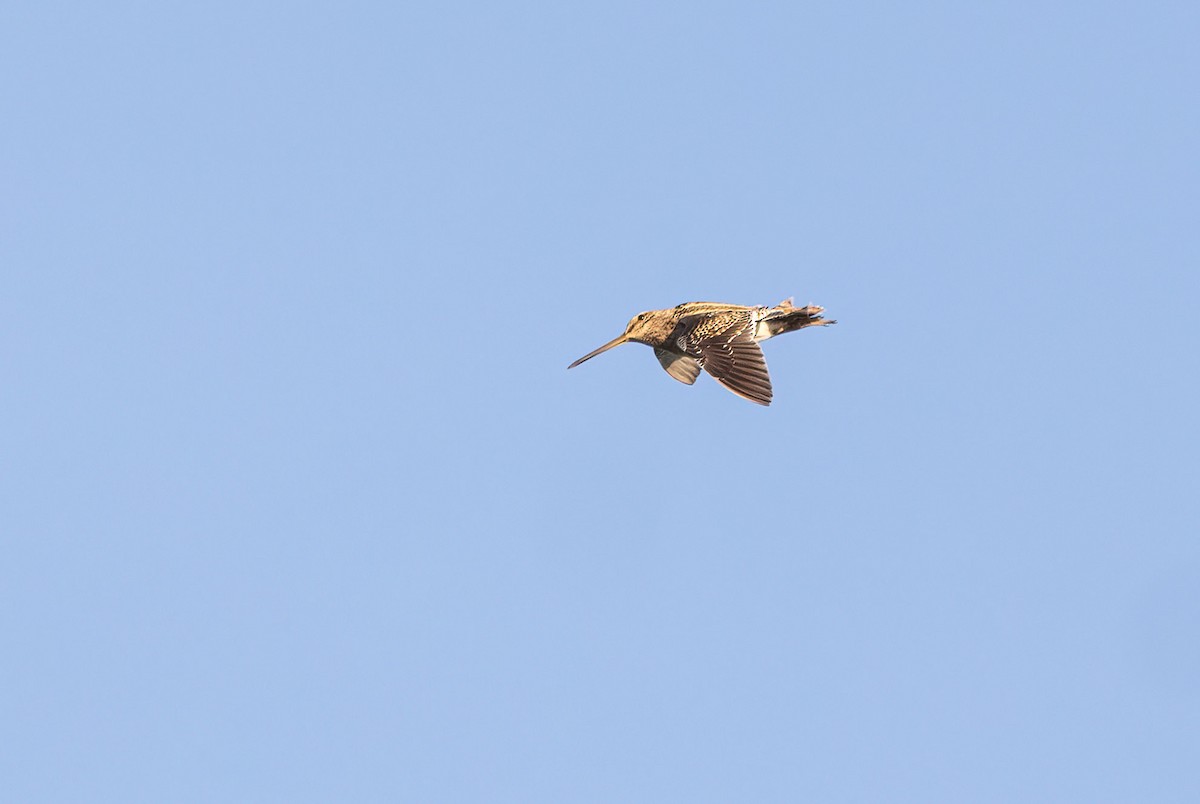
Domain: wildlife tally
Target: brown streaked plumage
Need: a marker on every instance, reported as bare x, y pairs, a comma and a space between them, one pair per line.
722, 339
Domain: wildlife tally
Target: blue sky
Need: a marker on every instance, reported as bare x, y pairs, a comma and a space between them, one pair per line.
301, 504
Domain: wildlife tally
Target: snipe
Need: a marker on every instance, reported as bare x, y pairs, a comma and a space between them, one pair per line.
722, 339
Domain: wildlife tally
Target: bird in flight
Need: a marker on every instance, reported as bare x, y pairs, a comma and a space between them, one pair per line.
722, 339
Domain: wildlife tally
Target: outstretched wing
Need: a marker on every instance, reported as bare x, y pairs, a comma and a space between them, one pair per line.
724, 347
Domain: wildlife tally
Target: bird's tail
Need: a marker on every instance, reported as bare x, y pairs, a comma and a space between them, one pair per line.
785, 317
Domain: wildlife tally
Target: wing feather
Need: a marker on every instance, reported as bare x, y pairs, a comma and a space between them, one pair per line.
681, 367
724, 347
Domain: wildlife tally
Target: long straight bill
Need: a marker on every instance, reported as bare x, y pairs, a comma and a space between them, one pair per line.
604, 348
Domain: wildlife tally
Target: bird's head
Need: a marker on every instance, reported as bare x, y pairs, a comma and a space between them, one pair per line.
642, 326
640, 330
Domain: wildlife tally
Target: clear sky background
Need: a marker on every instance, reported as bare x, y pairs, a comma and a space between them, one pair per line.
299, 503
